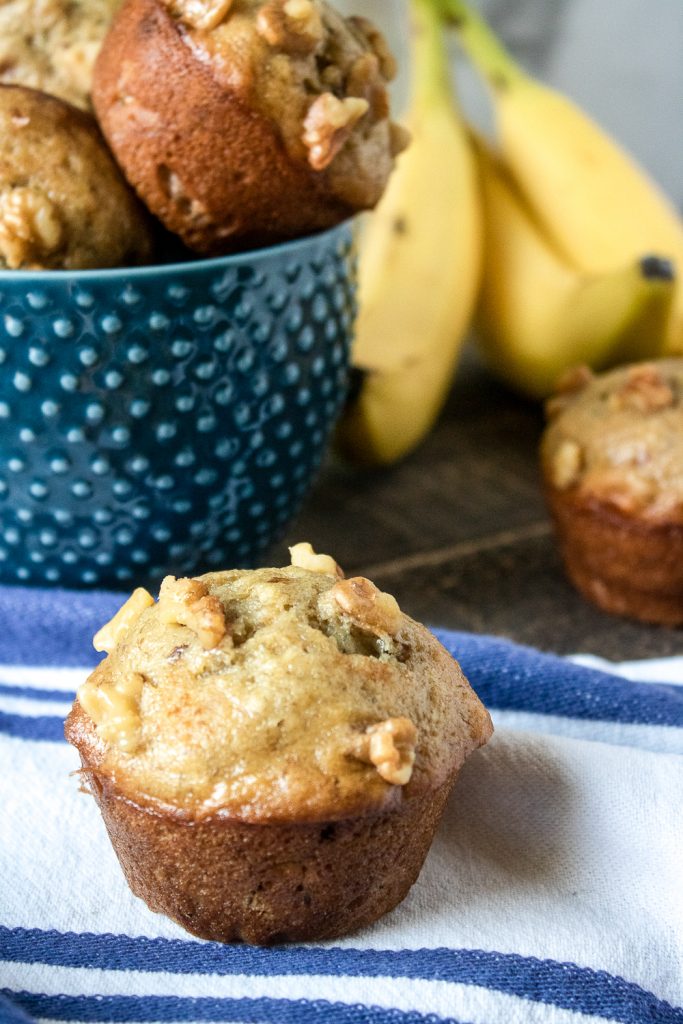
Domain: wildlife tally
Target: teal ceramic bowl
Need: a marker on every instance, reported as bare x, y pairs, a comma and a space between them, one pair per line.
168, 418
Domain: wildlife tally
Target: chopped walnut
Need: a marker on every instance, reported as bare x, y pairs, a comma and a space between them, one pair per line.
109, 635
566, 465
378, 44
294, 26
369, 607
364, 80
115, 710
30, 227
189, 603
570, 384
304, 557
200, 14
628, 491
390, 746
644, 390
328, 125
574, 379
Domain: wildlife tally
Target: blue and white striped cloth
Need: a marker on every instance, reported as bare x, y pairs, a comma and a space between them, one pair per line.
553, 893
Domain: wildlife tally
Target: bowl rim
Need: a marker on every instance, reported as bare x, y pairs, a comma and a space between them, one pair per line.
248, 256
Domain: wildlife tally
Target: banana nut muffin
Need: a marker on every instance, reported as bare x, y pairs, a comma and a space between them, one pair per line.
51, 45
613, 468
63, 201
271, 750
247, 120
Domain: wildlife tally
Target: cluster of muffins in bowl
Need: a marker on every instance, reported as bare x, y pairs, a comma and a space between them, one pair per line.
176, 273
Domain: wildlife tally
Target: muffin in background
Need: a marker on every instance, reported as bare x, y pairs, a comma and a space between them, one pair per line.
271, 750
51, 45
612, 461
63, 201
244, 122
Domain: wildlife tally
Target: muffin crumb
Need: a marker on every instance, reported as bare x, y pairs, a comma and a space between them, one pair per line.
109, 635
378, 44
399, 138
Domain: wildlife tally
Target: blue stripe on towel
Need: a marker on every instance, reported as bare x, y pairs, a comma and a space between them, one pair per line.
43, 728
175, 1008
52, 627
506, 677
511, 677
564, 985
36, 693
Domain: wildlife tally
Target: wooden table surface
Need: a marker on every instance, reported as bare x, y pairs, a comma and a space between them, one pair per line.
459, 533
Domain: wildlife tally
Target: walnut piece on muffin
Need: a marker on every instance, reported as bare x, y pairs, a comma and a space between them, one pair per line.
52, 45
282, 778
63, 201
248, 121
612, 459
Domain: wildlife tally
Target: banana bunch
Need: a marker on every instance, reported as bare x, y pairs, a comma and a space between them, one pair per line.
581, 248
538, 315
581, 252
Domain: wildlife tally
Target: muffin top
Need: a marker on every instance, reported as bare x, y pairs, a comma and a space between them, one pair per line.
319, 77
63, 201
274, 695
618, 438
52, 44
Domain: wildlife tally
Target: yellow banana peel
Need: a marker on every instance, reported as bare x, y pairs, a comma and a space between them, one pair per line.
591, 199
538, 316
420, 266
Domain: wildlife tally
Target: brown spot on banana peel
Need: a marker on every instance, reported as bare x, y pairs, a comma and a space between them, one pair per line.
657, 268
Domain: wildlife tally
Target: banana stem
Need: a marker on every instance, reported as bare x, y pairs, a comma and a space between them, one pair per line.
431, 71
482, 46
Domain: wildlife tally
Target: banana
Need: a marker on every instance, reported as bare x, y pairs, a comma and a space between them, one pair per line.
419, 268
538, 316
595, 203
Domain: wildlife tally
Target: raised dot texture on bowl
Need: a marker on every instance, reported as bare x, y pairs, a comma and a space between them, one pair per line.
166, 418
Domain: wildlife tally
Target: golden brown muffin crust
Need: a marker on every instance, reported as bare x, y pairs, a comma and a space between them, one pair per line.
618, 439
51, 45
285, 717
63, 202
283, 67
233, 133
613, 477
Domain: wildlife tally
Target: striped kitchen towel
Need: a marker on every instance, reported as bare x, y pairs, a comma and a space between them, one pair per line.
553, 892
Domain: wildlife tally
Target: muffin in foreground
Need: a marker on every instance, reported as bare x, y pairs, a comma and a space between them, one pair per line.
63, 202
272, 749
612, 460
52, 44
243, 122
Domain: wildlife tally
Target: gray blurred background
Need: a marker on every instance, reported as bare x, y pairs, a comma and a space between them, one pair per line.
621, 60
